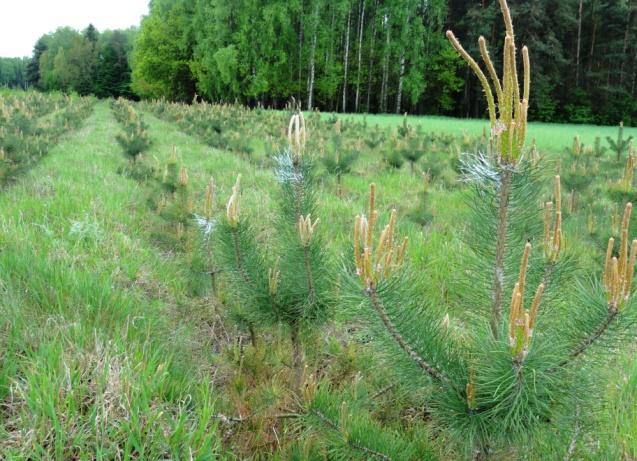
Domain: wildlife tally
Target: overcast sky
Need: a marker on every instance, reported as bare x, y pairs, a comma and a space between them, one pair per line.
22, 22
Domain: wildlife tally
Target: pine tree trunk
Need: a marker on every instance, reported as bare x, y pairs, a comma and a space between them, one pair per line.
349, 21
500, 249
401, 73
297, 359
361, 25
213, 274
634, 83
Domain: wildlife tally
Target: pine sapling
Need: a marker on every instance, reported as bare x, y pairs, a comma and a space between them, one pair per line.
576, 149
291, 283
510, 371
134, 139
598, 149
207, 223
339, 161
620, 145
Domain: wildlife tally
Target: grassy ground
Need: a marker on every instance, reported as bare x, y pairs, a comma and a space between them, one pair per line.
96, 369
111, 346
549, 136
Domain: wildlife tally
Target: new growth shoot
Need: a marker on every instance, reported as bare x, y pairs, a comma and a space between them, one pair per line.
306, 229
297, 135
553, 225
508, 109
618, 271
232, 208
521, 320
376, 260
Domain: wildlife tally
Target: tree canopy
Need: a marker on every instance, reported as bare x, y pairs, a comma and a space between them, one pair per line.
13, 72
351, 55
87, 62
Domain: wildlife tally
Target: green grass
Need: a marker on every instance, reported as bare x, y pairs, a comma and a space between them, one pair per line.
111, 346
550, 137
93, 367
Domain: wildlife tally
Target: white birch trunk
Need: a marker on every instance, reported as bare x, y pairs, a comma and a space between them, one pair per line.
361, 25
349, 20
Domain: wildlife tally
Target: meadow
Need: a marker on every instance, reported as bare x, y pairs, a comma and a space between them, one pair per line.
123, 336
550, 137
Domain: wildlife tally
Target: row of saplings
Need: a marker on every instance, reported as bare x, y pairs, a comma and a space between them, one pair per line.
296, 290
134, 138
338, 141
523, 361
170, 196
31, 123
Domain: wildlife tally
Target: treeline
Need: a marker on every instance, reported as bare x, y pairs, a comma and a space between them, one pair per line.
13, 72
336, 55
387, 56
356, 55
87, 62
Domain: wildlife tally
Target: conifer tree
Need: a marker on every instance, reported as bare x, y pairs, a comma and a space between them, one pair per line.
339, 160
33, 67
134, 138
207, 223
523, 353
621, 144
290, 283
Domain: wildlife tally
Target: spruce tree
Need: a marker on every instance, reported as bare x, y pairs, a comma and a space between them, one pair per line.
522, 353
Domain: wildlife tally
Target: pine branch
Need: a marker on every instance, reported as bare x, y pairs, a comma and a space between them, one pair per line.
230, 420
383, 391
426, 366
571, 447
590, 340
333, 425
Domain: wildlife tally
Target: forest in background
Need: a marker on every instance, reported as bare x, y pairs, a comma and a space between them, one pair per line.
86, 62
375, 56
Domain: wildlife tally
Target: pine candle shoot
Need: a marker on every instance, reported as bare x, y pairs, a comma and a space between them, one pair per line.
509, 108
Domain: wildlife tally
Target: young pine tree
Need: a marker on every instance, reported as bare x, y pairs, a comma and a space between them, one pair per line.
207, 223
339, 160
134, 138
523, 354
621, 144
290, 284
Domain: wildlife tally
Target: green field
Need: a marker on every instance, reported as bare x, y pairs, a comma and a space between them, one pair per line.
551, 137
113, 346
